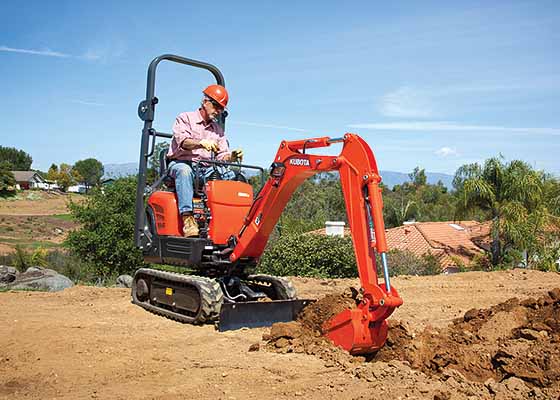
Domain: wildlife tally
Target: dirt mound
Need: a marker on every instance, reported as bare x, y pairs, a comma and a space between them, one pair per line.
516, 338
305, 334
509, 351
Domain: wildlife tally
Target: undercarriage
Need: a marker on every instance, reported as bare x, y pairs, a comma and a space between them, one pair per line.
225, 301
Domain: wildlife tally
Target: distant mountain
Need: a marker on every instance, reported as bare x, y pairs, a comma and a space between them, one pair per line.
390, 178
114, 171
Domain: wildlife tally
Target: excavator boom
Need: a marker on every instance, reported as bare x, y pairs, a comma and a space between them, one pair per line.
359, 330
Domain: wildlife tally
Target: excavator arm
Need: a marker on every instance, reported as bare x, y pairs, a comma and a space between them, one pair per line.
364, 328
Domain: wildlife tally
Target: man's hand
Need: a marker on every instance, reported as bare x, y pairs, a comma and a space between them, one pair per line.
237, 155
210, 145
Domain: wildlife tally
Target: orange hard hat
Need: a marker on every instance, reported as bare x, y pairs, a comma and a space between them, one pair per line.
217, 93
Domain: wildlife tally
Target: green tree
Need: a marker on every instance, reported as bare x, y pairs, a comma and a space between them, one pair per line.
513, 195
65, 177
89, 172
316, 201
418, 177
7, 179
19, 160
106, 237
153, 162
417, 200
52, 174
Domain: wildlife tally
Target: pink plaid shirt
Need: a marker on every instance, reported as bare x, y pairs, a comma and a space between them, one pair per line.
191, 125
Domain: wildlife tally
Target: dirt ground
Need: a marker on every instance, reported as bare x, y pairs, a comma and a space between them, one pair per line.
34, 202
88, 343
30, 220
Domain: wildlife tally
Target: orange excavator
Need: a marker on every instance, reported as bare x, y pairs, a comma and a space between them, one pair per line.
215, 282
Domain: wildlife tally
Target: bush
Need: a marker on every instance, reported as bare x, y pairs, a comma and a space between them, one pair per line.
21, 260
310, 255
72, 267
481, 262
404, 262
333, 257
106, 238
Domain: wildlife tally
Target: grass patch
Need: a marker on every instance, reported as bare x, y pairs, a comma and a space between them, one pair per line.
64, 217
7, 289
30, 244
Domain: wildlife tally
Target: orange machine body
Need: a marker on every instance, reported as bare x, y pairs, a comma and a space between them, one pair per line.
362, 330
229, 202
166, 213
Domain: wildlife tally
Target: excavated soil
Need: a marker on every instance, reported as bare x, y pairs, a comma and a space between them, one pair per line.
467, 336
513, 339
305, 334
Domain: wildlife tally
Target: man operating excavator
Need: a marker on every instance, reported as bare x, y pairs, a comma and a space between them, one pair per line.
197, 136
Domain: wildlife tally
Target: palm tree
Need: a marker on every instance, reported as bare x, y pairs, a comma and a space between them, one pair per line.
512, 194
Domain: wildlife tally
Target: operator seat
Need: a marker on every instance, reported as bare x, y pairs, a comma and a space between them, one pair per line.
168, 180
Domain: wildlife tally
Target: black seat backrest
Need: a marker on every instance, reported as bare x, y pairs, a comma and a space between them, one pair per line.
163, 161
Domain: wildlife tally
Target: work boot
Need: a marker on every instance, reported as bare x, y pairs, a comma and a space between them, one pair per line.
190, 227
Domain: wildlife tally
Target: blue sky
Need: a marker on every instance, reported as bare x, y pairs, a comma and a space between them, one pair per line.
433, 84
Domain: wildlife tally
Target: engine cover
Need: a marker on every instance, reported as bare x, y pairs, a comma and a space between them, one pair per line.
166, 213
229, 202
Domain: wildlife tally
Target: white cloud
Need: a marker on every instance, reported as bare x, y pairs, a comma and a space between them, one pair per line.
446, 152
406, 102
48, 53
259, 125
447, 126
45, 52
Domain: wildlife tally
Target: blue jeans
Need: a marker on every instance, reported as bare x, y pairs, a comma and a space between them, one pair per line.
183, 174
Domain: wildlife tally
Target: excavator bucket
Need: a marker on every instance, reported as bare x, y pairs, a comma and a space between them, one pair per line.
355, 334
363, 330
255, 314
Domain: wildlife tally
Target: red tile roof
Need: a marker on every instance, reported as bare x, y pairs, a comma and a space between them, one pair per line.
447, 241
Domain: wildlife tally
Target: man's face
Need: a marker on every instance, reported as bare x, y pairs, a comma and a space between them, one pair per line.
213, 109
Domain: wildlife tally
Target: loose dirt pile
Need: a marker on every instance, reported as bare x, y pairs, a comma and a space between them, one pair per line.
511, 350
512, 339
306, 336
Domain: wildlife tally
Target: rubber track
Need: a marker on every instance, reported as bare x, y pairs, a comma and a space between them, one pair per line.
210, 294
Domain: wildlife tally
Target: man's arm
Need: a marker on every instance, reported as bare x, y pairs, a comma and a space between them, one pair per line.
223, 149
190, 144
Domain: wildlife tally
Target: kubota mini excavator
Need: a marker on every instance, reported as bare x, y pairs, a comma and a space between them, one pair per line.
234, 228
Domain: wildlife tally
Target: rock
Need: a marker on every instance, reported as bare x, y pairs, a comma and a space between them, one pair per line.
282, 342
471, 314
441, 395
37, 278
289, 330
516, 385
254, 347
7, 275
554, 294
529, 334
124, 281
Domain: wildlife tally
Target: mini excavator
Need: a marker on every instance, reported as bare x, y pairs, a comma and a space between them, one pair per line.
217, 285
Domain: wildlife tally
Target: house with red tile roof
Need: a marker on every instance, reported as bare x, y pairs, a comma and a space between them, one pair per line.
453, 243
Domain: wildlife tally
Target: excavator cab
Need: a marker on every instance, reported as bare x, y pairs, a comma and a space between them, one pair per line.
213, 276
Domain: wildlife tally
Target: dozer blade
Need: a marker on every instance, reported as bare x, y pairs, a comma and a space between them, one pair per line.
255, 314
